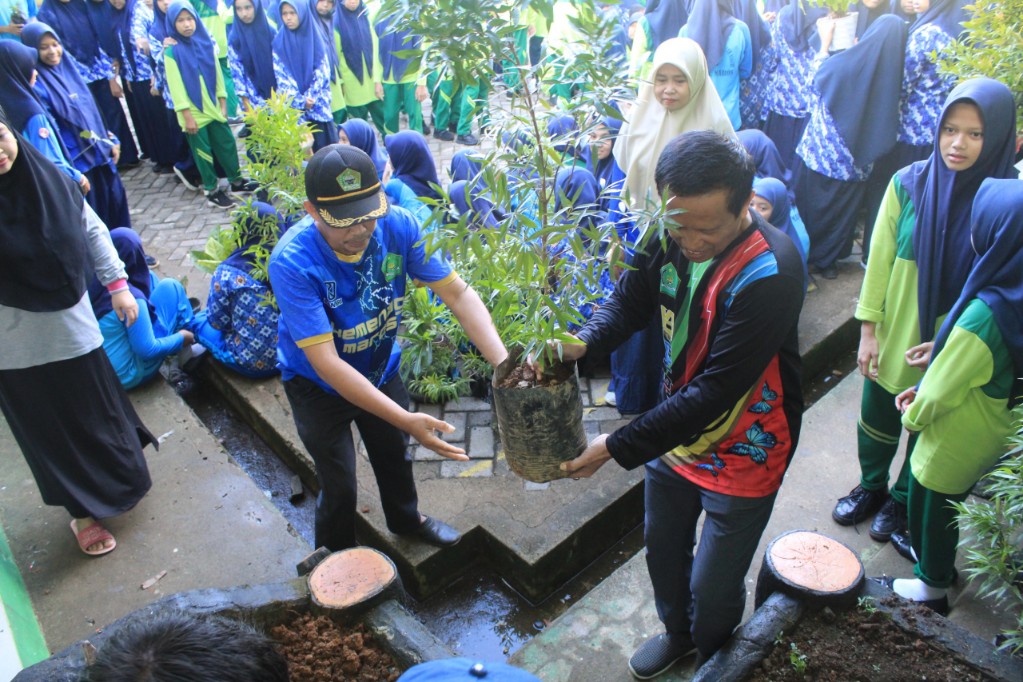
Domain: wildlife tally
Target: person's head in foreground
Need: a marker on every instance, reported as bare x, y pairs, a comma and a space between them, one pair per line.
707, 179
176, 646
344, 196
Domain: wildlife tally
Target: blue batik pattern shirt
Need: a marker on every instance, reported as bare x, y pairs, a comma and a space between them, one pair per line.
789, 94
100, 68
822, 148
236, 307
141, 20
243, 86
319, 90
756, 88
924, 89
356, 301
160, 73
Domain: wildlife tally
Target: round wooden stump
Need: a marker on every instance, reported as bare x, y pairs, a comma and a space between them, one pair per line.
351, 577
811, 566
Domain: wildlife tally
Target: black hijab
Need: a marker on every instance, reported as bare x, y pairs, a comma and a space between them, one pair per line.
45, 256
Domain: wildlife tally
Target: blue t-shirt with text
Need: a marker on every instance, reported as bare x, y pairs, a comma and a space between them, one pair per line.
357, 300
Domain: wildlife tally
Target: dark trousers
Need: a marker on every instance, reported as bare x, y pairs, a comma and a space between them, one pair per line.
702, 597
324, 424
877, 438
324, 133
934, 532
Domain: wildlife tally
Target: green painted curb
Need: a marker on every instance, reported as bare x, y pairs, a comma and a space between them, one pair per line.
28, 638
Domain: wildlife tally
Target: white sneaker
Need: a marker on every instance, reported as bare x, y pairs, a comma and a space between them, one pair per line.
611, 399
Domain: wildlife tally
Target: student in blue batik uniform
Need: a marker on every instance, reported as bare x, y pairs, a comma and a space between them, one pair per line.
75, 23
789, 96
846, 136
302, 69
91, 148
340, 277
250, 54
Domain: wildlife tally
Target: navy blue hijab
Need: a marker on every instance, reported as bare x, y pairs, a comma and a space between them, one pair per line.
943, 198
118, 29
799, 24
710, 24
252, 234
364, 136
253, 43
392, 41
71, 101
301, 50
194, 55
948, 15
577, 188
475, 202
356, 38
129, 249
767, 158
465, 167
665, 18
604, 168
413, 163
759, 32
325, 26
996, 277
866, 16
158, 29
869, 121
774, 191
73, 22
17, 97
564, 134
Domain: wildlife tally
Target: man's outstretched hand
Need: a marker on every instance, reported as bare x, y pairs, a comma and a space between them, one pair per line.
592, 458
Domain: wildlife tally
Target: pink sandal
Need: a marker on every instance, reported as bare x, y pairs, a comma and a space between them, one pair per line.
92, 535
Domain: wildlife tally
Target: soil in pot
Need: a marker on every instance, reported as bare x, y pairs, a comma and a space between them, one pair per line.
861, 644
319, 650
540, 419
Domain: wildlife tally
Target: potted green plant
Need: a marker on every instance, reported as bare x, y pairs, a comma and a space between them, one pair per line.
534, 266
844, 20
992, 46
992, 532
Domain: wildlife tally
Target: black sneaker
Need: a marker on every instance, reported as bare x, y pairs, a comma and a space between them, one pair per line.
426, 128
858, 505
470, 140
244, 186
219, 199
659, 653
445, 135
185, 180
890, 518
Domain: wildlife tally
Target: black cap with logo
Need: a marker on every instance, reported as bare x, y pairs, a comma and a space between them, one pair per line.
341, 182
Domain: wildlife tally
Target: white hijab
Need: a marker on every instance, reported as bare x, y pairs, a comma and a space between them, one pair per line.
650, 126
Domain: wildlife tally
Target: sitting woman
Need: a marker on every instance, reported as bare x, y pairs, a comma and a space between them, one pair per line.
162, 327
414, 176
358, 133
771, 200
238, 327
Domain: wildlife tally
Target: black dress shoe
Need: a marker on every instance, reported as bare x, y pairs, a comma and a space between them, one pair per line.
858, 505
890, 518
445, 135
468, 139
436, 533
939, 606
903, 545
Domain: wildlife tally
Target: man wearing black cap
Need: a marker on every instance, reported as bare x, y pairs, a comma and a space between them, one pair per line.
339, 277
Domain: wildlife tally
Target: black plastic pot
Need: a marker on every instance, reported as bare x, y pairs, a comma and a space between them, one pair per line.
541, 426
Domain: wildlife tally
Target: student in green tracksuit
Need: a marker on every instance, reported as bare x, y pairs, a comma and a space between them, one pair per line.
961, 407
324, 14
404, 83
456, 102
196, 86
923, 258
209, 13
361, 70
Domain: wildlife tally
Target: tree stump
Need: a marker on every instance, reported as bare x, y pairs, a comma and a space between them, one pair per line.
813, 567
352, 578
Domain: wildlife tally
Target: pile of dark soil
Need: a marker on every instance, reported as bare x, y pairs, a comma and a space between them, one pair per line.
862, 644
523, 376
319, 650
